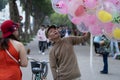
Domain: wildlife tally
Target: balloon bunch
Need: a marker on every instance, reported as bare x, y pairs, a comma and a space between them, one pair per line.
95, 16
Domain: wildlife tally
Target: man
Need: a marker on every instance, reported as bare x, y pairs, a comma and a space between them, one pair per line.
63, 60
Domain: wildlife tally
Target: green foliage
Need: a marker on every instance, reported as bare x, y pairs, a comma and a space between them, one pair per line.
39, 6
59, 19
42, 6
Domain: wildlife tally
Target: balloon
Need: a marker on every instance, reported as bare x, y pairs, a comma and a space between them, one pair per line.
93, 23
95, 30
77, 20
106, 11
90, 4
116, 33
104, 16
82, 28
116, 3
74, 20
60, 6
80, 10
108, 27
90, 20
110, 7
76, 8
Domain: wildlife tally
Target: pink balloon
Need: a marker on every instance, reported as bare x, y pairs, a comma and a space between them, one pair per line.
93, 23
116, 3
74, 20
95, 30
75, 8
108, 27
90, 4
60, 6
80, 10
109, 6
90, 20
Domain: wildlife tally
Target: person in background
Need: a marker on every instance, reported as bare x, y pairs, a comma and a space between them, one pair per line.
63, 61
103, 49
114, 48
12, 52
42, 39
67, 31
61, 30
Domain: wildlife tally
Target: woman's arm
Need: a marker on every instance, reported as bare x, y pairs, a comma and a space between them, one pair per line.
23, 55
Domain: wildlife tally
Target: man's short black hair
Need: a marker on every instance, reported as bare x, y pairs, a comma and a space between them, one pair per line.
52, 26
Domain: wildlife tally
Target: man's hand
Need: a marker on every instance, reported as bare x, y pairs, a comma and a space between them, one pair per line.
88, 35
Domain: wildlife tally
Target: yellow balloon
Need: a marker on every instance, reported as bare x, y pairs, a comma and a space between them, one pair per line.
104, 16
116, 33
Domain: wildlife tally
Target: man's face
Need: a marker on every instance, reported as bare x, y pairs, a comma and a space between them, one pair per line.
53, 34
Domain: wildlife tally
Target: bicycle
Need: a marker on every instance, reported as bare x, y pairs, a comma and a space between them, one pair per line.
39, 69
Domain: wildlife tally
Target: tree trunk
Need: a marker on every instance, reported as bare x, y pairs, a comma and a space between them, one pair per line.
27, 19
14, 13
38, 19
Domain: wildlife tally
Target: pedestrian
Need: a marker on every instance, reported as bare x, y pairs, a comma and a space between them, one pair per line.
42, 40
104, 50
114, 48
63, 61
67, 31
12, 52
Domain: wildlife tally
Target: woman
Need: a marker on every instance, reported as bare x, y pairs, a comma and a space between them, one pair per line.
12, 52
103, 49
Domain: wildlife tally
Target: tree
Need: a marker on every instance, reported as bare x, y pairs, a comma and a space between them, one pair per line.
40, 9
14, 13
59, 19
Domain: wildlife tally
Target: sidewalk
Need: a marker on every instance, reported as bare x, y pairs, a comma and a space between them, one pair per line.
83, 56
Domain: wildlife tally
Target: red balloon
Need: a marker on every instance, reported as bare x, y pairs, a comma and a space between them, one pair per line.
79, 11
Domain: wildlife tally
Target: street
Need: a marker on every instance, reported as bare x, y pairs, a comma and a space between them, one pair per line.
83, 55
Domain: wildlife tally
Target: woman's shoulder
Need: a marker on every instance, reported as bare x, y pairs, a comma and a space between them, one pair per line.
17, 44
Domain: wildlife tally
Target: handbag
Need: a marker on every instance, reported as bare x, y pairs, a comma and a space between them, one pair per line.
11, 56
101, 50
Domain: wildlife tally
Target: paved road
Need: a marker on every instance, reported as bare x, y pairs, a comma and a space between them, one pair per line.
83, 55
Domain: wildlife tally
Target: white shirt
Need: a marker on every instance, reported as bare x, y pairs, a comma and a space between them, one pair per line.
41, 35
